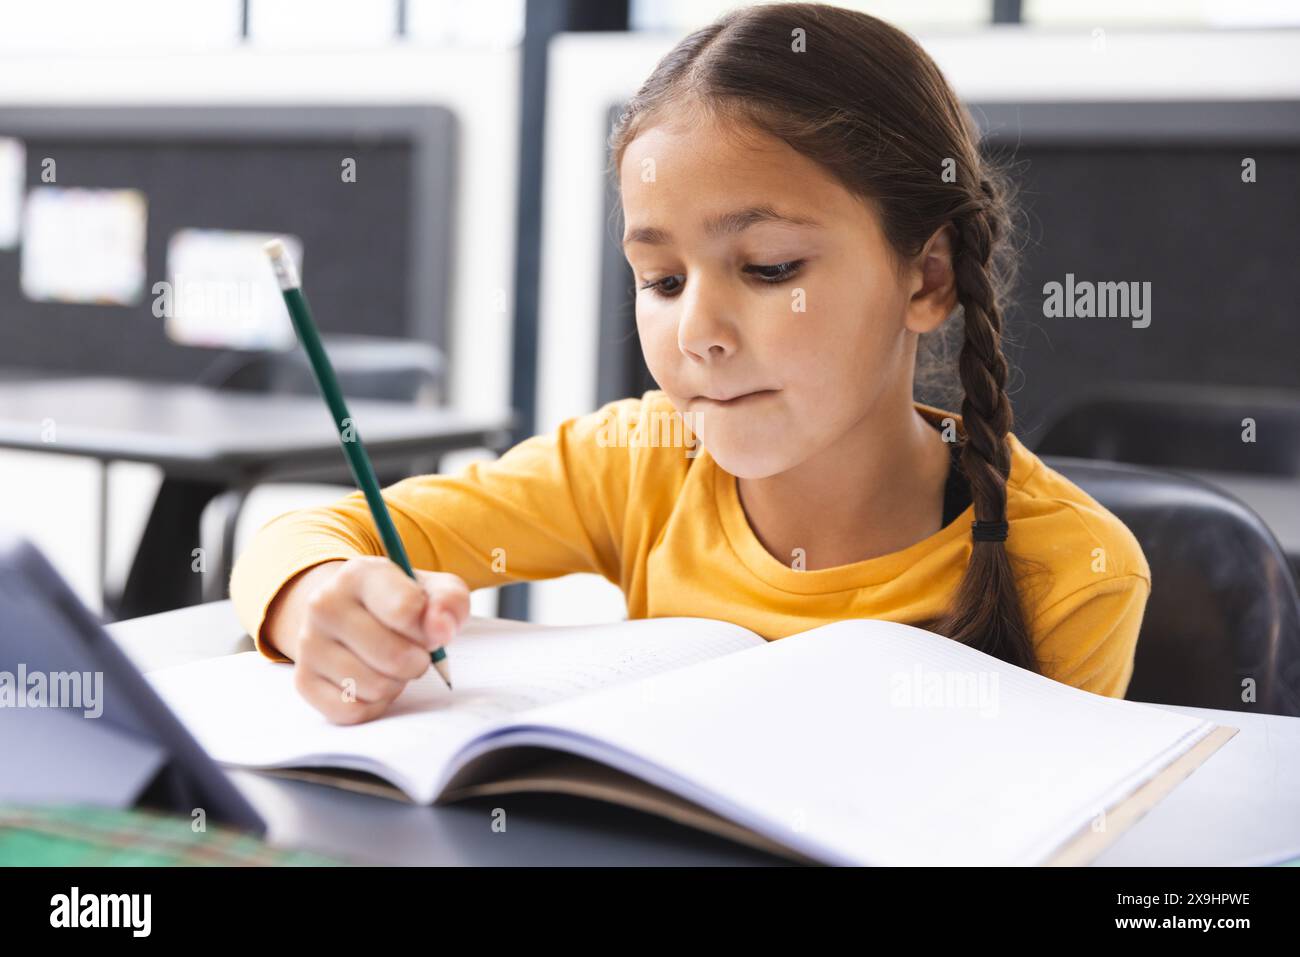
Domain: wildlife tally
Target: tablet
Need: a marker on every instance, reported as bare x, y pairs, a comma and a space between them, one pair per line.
79, 724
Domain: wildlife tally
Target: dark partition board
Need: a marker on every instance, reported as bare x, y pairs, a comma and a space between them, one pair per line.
1145, 192
1152, 192
376, 251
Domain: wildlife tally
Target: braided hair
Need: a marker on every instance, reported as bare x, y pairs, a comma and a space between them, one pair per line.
986, 612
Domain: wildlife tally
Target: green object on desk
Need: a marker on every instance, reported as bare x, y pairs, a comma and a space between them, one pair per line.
358, 461
86, 836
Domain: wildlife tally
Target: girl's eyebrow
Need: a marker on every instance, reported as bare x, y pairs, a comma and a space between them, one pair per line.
735, 221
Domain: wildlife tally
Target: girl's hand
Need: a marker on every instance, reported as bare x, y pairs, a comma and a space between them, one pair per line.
359, 630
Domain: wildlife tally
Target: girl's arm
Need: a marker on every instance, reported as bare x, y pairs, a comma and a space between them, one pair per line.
552, 505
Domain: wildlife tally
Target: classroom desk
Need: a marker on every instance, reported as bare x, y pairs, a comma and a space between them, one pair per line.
211, 443
1242, 807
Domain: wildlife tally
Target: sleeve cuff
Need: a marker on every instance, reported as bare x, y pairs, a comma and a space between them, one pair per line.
253, 589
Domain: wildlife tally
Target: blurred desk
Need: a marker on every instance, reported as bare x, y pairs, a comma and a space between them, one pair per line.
208, 443
1242, 807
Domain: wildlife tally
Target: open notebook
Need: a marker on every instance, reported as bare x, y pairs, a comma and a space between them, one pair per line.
859, 742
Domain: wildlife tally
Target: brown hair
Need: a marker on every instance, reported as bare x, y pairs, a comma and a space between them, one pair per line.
870, 106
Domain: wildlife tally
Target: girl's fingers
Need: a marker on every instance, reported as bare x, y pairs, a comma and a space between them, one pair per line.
387, 652
448, 591
369, 631
388, 594
351, 676
329, 699
428, 610
448, 606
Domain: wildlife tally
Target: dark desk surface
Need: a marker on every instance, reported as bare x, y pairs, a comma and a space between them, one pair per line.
1242, 807
211, 434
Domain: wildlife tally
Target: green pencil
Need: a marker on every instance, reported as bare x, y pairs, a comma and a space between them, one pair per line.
359, 462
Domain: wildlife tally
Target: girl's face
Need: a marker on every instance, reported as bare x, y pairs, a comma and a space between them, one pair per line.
759, 275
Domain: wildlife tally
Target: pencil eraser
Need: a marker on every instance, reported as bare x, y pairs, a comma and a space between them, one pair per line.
285, 271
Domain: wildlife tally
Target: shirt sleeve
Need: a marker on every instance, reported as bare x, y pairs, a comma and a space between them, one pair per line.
552, 505
1093, 633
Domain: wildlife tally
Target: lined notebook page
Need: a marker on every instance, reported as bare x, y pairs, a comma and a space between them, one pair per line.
870, 742
244, 710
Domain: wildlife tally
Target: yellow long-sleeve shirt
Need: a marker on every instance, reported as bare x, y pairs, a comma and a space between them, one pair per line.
653, 513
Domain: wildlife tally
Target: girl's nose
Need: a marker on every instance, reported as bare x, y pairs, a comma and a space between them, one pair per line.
705, 329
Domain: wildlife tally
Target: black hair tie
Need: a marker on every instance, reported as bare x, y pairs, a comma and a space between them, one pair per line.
989, 531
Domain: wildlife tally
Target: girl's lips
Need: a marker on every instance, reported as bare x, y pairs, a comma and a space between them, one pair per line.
738, 400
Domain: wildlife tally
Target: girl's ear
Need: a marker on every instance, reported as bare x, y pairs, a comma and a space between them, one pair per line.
932, 284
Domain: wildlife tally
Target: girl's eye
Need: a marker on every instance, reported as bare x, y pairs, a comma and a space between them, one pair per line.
659, 288
780, 272
777, 273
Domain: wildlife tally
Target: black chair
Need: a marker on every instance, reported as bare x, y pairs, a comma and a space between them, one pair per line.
1224, 607
1170, 425
1193, 427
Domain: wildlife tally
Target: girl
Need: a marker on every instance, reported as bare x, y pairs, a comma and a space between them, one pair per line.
803, 200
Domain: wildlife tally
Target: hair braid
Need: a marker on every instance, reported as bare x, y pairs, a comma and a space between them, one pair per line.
986, 614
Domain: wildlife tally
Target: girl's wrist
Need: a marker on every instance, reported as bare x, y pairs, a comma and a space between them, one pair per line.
285, 615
